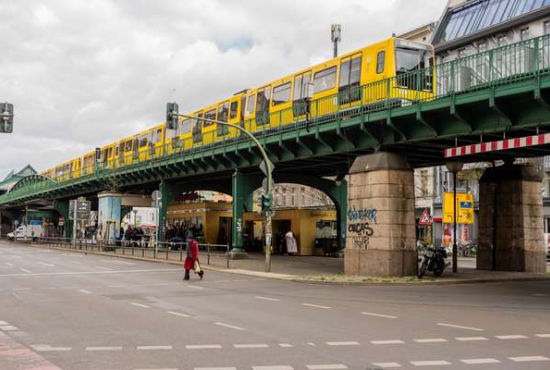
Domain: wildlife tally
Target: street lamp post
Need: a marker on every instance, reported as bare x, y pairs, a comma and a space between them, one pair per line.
172, 114
454, 167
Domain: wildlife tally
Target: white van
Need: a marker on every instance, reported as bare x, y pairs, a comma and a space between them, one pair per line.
26, 231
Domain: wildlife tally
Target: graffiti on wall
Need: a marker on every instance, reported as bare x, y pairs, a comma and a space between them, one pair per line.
359, 226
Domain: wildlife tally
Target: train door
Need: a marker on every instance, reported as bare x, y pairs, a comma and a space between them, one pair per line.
197, 128
135, 152
235, 117
263, 99
208, 127
223, 116
120, 150
281, 103
249, 112
349, 89
300, 96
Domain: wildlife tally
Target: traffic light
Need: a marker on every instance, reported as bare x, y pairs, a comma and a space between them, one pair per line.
6, 118
266, 203
172, 111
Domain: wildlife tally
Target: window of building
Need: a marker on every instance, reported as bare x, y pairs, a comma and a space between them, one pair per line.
380, 62
325, 80
281, 93
524, 33
234, 110
482, 47
546, 26
502, 40
461, 52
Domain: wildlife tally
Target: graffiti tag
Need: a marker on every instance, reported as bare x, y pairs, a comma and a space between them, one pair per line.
362, 214
360, 234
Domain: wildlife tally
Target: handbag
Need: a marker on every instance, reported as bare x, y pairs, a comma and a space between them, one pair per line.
197, 267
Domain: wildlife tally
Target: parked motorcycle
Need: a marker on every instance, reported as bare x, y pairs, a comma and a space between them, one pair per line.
433, 260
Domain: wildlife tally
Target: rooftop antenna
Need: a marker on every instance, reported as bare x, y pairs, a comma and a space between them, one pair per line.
336, 36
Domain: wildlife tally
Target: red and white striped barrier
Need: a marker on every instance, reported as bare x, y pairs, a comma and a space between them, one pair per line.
495, 146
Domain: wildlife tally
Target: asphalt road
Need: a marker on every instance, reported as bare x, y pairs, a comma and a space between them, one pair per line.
63, 310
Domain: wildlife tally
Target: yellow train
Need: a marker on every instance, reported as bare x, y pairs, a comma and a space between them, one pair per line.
393, 70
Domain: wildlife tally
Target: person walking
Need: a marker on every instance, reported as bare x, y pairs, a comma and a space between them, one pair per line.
192, 259
291, 244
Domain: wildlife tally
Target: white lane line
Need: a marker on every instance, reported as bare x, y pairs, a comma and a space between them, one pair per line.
104, 268
250, 346
158, 369
529, 359
114, 348
229, 326
172, 271
285, 345
267, 298
84, 291
327, 367
311, 344
387, 365
350, 343
153, 348
539, 295
25, 270
9, 264
2, 323
470, 339
203, 346
47, 264
272, 367
139, 305
177, 314
48, 348
215, 368
430, 340
431, 363
8, 328
480, 361
378, 315
507, 337
460, 327
315, 306
393, 341
195, 287
542, 335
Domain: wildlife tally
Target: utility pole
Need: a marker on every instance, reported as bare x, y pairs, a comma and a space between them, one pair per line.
336, 36
172, 114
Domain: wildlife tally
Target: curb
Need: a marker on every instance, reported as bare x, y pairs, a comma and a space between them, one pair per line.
303, 280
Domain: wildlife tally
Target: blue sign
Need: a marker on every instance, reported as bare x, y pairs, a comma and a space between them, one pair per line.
466, 205
35, 223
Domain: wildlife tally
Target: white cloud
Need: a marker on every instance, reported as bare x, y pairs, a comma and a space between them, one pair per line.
84, 73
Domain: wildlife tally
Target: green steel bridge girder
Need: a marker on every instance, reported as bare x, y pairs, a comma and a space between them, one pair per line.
434, 125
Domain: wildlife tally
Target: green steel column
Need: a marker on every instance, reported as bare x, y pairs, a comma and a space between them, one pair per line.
62, 206
239, 185
341, 193
166, 197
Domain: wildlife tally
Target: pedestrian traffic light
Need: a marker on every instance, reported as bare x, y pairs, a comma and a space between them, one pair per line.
6, 118
266, 203
172, 111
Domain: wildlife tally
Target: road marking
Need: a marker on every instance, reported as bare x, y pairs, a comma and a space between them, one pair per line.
529, 359
8, 328
327, 367
139, 305
203, 346
25, 270
195, 287
315, 306
47, 264
286, 345
460, 327
94, 272
379, 315
215, 368
506, 337
178, 314
48, 348
431, 363
480, 361
103, 348
387, 365
158, 369
311, 344
393, 341
430, 340
229, 326
251, 346
2, 323
267, 299
153, 348
343, 343
542, 335
84, 291
272, 368
539, 295
470, 339
9, 264
105, 268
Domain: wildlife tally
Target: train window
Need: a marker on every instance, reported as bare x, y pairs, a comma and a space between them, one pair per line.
350, 72
128, 146
223, 112
262, 100
210, 115
301, 83
185, 127
281, 93
250, 105
143, 141
233, 110
325, 79
158, 136
380, 62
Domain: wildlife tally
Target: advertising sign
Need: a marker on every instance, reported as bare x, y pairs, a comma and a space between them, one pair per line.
464, 211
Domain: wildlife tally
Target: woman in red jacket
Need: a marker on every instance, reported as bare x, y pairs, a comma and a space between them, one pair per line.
192, 258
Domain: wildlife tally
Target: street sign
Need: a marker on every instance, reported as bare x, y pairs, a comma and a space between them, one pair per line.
464, 211
263, 167
425, 219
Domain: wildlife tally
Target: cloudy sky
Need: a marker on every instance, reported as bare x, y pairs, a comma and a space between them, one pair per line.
82, 73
